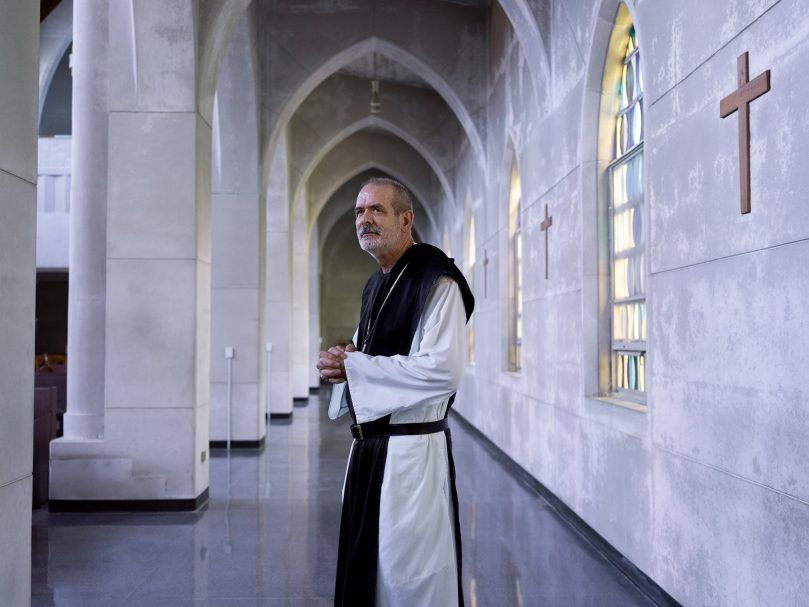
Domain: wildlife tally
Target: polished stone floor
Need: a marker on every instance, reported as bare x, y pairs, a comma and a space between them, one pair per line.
268, 537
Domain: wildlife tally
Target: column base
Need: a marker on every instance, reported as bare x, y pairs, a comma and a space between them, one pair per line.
169, 505
108, 472
237, 444
83, 426
280, 419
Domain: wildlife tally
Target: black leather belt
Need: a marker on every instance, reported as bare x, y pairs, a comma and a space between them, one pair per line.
383, 428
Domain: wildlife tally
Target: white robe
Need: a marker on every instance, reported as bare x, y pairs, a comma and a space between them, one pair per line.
417, 565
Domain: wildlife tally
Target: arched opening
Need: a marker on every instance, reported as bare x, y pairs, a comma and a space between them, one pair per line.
624, 210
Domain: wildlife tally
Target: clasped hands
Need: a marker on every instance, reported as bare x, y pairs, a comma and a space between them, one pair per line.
331, 363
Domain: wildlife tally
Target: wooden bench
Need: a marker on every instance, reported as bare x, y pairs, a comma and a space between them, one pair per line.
45, 430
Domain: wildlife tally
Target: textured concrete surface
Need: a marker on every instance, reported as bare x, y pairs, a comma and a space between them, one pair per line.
19, 52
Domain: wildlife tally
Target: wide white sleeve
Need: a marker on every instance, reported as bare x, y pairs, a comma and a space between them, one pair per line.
338, 405
431, 372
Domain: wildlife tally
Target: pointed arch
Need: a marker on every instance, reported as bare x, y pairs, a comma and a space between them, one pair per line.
217, 21
530, 38
55, 36
394, 129
394, 52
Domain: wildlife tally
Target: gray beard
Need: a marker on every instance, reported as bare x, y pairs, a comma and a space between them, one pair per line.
376, 246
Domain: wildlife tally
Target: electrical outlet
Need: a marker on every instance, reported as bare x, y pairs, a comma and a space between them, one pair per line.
203, 456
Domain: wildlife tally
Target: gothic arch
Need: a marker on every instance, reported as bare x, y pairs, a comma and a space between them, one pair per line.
235, 114
525, 26
56, 35
217, 21
396, 130
394, 52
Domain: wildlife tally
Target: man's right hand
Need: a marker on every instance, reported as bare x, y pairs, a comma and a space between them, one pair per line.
330, 363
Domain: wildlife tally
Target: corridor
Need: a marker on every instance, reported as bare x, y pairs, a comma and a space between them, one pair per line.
268, 537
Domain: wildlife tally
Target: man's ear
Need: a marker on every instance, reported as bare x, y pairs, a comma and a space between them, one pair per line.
407, 219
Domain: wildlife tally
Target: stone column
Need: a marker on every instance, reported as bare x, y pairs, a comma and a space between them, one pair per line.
277, 285
314, 307
19, 49
235, 267
157, 311
299, 347
88, 224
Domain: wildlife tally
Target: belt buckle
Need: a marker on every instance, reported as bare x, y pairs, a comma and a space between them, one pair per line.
358, 434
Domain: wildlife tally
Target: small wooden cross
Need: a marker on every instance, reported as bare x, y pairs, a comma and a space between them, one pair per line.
485, 266
739, 100
546, 223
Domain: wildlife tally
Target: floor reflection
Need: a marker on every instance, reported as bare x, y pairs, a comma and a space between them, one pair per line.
269, 536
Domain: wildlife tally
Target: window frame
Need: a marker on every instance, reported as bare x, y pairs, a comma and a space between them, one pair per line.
637, 150
515, 271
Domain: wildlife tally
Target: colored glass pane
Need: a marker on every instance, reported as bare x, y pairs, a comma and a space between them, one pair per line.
623, 96
515, 271
626, 209
471, 253
629, 322
629, 371
629, 80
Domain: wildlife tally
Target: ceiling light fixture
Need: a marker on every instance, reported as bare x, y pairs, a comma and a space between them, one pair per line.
376, 104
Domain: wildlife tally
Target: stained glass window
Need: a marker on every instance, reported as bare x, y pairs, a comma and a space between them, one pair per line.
470, 273
627, 228
515, 271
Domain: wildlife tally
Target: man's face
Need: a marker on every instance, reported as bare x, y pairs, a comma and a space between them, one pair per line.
379, 228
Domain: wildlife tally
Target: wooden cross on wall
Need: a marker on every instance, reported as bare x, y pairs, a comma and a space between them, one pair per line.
739, 100
544, 226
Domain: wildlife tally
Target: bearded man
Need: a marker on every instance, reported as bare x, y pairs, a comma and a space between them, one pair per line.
400, 541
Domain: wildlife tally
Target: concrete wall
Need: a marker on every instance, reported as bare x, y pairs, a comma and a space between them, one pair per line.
705, 489
19, 56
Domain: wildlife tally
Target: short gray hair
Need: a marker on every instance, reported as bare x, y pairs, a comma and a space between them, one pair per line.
402, 198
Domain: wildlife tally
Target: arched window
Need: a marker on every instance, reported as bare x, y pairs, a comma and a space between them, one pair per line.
470, 275
515, 271
627, 216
